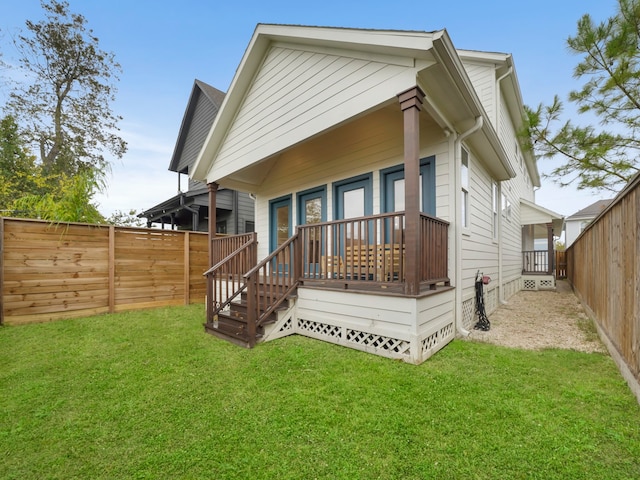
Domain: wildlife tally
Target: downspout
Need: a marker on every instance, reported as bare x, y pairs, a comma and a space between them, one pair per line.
457, 145
499, 199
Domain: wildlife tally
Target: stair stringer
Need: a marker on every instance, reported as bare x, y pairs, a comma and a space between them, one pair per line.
285, 325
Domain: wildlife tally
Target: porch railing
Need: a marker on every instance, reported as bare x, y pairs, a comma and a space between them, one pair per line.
371, 250
434, 250
536, 261
222, 247
269, 284
226, 278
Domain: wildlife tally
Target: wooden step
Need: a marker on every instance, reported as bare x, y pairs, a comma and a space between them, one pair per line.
240, 338
239, 311
232, 328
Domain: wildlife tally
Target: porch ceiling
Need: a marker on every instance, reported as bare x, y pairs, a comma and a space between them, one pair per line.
372, 135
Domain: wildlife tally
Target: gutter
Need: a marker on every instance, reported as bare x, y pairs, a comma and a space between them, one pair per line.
457, 145
499, 193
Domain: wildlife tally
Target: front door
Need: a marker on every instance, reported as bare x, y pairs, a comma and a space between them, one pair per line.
279, 225
312, 209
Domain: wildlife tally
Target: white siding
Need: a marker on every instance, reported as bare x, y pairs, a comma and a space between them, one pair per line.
515, 189
479, 249
297, 94
482, 78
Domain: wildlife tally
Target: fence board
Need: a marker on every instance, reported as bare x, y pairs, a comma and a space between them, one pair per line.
50, 272
603, 265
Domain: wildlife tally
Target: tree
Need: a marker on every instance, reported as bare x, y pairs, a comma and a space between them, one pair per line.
603, 157
71, 202
126, 219
64, 110
18, 172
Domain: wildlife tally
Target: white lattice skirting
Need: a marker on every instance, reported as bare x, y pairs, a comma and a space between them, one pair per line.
415, 350
542, 282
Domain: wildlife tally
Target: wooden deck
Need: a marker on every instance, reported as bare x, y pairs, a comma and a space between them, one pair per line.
365, 255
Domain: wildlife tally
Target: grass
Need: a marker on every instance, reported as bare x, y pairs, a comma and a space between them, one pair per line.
149, 395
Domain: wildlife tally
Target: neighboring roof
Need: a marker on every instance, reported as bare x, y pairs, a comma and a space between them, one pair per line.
591, 211
532, 214
453, 102
176, 204
213, 95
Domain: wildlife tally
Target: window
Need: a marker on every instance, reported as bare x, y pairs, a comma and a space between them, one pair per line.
506, 207
353, 197
494, 208
249, 226
464, 180
221, 227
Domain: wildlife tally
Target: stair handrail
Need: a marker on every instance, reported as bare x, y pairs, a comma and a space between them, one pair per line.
229, 257
219, 304
255, 315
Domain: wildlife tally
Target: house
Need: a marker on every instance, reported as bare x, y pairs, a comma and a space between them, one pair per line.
189, 210
387, 174
576, 223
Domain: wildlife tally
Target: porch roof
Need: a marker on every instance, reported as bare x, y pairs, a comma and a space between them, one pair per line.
427, 57
532, 214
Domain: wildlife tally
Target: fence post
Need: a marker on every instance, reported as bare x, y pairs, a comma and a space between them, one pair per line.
112, 269
187, 261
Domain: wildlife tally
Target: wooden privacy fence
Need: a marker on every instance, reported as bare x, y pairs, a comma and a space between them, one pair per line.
603, 265
54, 271
561, 264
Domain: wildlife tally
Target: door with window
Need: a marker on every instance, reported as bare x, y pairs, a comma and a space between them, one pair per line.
312, 209
354, 198
279, 226
392, 181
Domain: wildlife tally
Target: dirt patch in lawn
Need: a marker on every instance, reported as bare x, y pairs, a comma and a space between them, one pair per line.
544, 319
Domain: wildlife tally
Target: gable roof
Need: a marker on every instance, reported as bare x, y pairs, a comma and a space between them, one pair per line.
213, 98
428, 58
532, 214
507, 77
591, 211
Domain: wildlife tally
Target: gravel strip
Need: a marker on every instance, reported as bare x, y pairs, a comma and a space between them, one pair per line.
543, 319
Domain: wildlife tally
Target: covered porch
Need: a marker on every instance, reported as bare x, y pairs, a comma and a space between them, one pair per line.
539, 226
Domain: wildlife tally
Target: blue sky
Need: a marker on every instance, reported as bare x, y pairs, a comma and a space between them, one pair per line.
164, 45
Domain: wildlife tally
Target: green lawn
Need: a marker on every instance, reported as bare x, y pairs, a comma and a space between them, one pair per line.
149, 395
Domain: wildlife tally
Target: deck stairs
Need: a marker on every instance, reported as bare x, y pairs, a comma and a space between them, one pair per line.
231, 324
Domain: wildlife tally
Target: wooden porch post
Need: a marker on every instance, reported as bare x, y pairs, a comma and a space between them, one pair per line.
410, 104
213, 188
551, 256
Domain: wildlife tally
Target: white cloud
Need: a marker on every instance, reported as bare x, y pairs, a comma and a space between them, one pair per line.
141, 179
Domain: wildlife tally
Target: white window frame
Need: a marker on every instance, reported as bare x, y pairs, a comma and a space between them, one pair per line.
506, 208
464, 184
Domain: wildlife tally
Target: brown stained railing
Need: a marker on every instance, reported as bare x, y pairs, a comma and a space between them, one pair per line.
535, 261
372, 250
269, 283
434, 248
364, 249
222, 247
226, 277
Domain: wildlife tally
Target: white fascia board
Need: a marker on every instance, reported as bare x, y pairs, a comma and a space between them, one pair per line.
448, 56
